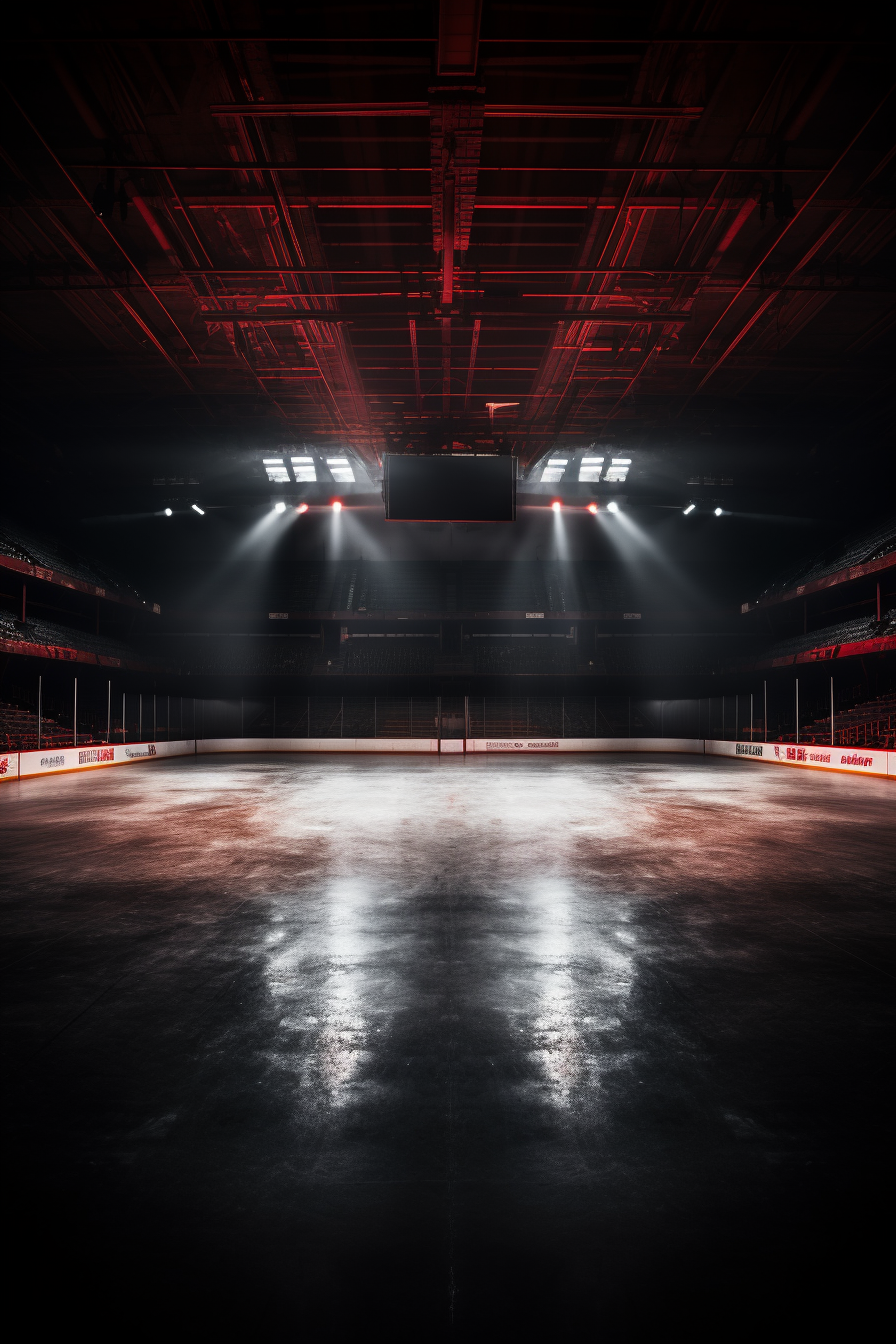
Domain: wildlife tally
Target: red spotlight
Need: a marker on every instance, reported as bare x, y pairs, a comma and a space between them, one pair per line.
301, 508
592, 508
337, 505
556, 506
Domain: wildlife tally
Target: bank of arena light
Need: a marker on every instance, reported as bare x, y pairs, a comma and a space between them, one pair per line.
556, 505
168, 512
196, 509
302, 508
337, 505
592, 508
341, 470
279, 507
618, 469
718, 512
276, 470
612, 507
690, 509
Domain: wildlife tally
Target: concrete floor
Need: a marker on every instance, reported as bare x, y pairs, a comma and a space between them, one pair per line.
587, 1048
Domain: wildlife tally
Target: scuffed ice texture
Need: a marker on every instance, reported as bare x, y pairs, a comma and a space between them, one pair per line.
454, 1045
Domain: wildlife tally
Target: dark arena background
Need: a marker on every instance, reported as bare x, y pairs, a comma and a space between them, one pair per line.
447, 671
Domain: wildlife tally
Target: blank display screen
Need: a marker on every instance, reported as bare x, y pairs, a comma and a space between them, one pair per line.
449, 489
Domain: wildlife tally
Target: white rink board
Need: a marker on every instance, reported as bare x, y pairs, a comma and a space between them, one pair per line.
693, 745
54, 760
855, 760
9, 765
208, 745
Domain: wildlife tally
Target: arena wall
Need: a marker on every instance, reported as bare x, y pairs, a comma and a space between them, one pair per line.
379, 744
851, 760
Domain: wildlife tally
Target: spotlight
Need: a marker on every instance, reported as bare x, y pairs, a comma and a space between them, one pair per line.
196, 509
717, 512
302, 508
690, 509
337, 506
592, 508
168, 513
613, 507
279, 507
556, 506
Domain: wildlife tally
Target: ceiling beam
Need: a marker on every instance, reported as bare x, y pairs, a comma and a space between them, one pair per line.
523, 111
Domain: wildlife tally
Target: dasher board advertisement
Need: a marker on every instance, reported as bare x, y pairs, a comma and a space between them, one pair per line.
855, 760
53, 760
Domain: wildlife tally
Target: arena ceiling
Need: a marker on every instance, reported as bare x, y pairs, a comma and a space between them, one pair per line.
407, 226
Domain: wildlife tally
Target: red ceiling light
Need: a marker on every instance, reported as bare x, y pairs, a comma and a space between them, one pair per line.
592, 508
337, 505
556, 506
301, 508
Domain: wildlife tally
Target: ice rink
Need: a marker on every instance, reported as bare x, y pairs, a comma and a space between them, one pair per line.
433, 1048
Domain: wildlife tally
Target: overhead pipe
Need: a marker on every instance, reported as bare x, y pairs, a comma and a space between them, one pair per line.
139, 274
781, 234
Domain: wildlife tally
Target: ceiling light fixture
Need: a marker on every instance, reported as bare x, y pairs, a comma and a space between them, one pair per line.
337, 506
618, 469
168, 513
556, 506
690, 509
340, 470
612, 507
302, 508
276, 469
592, 508
196, 509
279, 507
717, 512
590, 468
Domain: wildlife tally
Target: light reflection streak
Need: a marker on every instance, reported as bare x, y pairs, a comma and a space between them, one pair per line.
336, 1036
642, 555
567, 1013
561, 540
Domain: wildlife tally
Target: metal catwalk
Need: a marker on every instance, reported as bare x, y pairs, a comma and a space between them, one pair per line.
447, 1048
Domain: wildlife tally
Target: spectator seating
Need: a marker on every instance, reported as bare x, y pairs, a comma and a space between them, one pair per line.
38, 631
382, 657
528, 656
18, 731
23, 544
665, 655
871, 724
436, 586
855, 550
236, 655
846, 632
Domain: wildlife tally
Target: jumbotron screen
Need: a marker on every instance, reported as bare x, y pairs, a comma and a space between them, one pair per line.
450, 488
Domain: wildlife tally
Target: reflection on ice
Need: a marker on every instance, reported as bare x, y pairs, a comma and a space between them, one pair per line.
579, 991
322, 983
